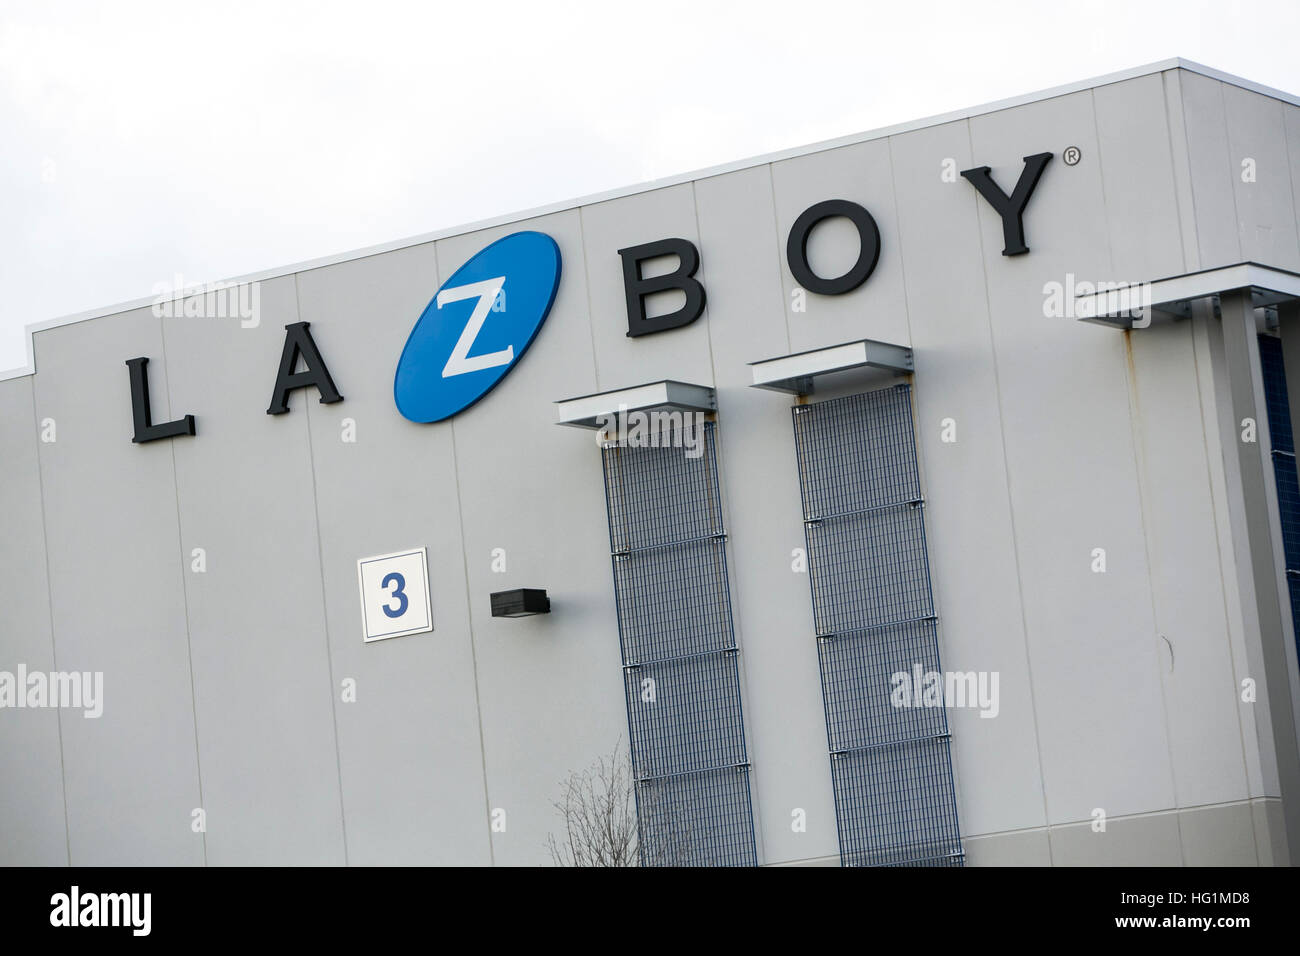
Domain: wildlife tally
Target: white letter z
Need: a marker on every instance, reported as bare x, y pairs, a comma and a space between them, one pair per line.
460, 361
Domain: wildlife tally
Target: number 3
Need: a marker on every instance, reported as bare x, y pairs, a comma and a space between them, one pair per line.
398, 592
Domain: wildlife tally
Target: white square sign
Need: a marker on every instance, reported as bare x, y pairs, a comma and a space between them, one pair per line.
395, 595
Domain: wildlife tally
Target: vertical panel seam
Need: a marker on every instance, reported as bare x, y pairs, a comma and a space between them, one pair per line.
780, 272
703, 274
586, 290
1011, 512
1291, 183
49, 605
325, 618
1228, 148
1223, 529
1139, 458
473, 650
185, 596
1135, 445
1218, 554
1173, 167
1194, 260
737, 627
918, 444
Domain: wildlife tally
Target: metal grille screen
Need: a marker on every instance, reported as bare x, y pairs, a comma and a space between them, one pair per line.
680, 668
1277, 402
874, 614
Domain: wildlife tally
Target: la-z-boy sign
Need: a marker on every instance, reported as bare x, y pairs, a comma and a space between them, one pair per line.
465, 341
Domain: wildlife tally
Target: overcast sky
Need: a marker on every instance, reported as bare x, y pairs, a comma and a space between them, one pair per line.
143, 140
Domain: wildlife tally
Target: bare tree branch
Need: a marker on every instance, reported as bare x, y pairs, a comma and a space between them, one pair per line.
598, 806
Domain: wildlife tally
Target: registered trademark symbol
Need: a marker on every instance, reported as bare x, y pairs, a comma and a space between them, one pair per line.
1072, 155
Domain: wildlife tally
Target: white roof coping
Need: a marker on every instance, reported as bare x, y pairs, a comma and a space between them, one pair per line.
1160, 66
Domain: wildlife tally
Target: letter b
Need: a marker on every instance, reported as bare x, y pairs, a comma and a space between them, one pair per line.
683, 277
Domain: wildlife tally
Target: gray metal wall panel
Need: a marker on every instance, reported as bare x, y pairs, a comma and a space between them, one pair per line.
409, 746
31, 758
1266, 211
1195, 662
1291, 125
1222, 434
1140, 841
1218, 836
550, 686
1259, 538
1073, 487
968, 509
1230, 125
1144, 219
1175, 117
760, 482
1135, 156
1216, 424
256, 620
1212, 174
878, 308
118, 597
681, 354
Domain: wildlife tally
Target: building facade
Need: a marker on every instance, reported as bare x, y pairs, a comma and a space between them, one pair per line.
965, 579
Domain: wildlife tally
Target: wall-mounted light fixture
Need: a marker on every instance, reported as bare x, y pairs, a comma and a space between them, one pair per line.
521, 602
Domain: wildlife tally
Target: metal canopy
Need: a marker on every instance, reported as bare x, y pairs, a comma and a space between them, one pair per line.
591, 411
799, 372
1172, 298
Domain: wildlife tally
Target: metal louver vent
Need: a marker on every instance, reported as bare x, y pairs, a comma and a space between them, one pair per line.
680, 670
874, 614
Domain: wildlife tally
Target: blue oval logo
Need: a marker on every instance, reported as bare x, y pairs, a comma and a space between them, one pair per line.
477, 326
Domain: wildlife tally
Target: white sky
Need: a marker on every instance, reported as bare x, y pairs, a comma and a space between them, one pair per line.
141, 140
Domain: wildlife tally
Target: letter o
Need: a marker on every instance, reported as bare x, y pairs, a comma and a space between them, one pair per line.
796, 247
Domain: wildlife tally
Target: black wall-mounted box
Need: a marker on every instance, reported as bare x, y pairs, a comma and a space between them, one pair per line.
520, 602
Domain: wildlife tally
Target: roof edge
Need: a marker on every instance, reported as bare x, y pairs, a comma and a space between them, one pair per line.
1159, 66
